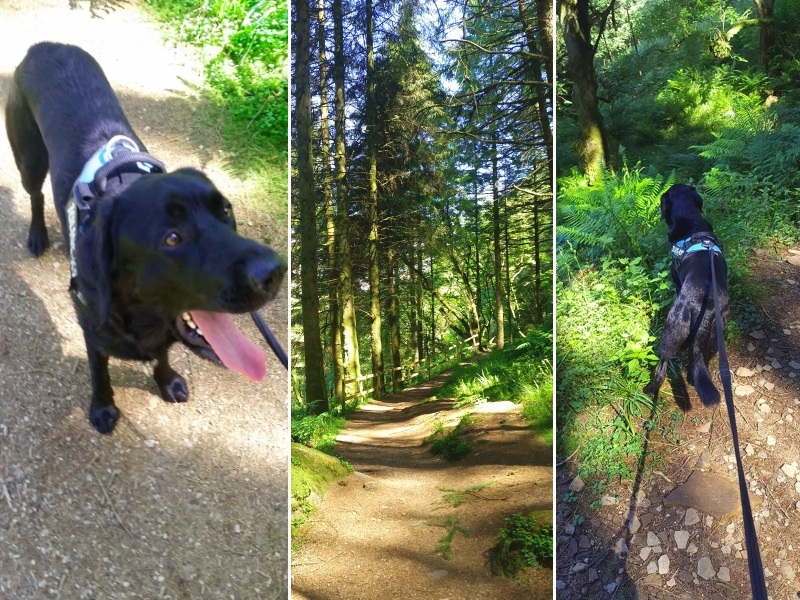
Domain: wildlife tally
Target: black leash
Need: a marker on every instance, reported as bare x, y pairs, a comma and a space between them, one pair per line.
271, 339
757, 584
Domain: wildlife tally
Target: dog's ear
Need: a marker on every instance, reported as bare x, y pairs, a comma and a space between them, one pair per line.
193, 173
666, 205
696, 198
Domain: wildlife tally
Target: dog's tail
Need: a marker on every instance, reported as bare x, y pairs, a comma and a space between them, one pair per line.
701, 379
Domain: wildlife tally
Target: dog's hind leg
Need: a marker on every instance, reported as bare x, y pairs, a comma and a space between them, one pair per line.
30, 154
172, 386
676, 330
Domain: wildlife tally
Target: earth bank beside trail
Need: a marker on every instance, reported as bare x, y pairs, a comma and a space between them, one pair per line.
376, 533
182, 501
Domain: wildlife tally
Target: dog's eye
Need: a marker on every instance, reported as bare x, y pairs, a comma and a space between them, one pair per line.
228, 212
173, 238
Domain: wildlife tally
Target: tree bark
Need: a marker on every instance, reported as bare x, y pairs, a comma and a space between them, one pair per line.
498, 255
312, 342
394, 321
352, 367
478, 299
376, 342
766, 32
330, 216
592, 146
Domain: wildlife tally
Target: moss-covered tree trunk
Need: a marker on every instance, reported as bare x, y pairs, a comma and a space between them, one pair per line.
766, 32
394, 320
312, 342
592, 146
350, 357
376, 343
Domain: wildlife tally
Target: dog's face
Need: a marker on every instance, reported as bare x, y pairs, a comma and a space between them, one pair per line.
169, 243
681, 209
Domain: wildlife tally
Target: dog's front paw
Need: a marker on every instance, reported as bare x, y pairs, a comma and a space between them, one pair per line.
38, 242
175, 390
104, 418
651, 389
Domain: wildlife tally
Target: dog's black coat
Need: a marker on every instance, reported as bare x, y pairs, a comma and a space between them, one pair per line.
690, 320
135, 283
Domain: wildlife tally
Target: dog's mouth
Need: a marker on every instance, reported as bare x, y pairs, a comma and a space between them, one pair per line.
216, 334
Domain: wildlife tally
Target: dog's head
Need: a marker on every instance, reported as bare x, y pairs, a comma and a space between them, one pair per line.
168, 243
682, 210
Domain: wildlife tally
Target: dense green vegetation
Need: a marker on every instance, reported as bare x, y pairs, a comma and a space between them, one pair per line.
694, 92
525, 541
243, 46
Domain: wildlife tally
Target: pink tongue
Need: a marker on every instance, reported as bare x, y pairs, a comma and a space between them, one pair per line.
234, 350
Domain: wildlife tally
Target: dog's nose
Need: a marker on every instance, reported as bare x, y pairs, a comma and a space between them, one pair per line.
266, 273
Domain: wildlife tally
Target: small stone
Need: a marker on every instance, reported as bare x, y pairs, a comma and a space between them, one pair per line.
645, 552
704, 428
794, 364
652, 539
577, 485
671, 582
789, 470
681, 539
692, 549
634, 524
743, 390
150, 443
770, 386
787, 572
621, 547
663, 565
724, 574
744, 372
560, 585
608, 501
652, 567
593, 575
751, 347
585, 543
611, 587
757, 334
578, 567
685, 576
691, 518
749, 450
764, 408
705, 569
771, 441
797, 487
569, 529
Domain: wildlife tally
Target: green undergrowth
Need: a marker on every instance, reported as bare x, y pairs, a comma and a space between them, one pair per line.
243, 48
450, 445
312, 473
521, 373
524, 541
456, 497
452, 524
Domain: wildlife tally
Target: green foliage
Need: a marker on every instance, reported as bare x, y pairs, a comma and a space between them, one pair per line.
445, 544
245, 43
458, 497
450, 446
315, 431
523, 542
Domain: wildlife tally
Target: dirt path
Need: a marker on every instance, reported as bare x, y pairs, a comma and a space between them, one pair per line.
371, 537
709, 562
182, 501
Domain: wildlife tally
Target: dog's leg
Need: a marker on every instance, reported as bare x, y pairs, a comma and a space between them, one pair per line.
31, 157
102, 413
676, 330
172, 386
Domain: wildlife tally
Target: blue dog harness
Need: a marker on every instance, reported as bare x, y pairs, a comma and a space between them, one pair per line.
119, 158
696, 243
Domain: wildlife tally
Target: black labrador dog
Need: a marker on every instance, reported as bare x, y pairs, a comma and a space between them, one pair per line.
154, 256
691, 318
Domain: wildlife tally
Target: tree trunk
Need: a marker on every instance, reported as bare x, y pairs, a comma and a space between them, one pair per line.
420, 311
394, 321
592, 146
537, 257
766, 32
330, 216
312, 343
478, 299
512, 317
533, 68
498, 255
372, 215
352, 368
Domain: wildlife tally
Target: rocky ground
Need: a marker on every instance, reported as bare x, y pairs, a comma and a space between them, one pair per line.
677, 532
376, 534
182, 501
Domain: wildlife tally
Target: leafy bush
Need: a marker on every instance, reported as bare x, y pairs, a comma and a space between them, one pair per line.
522, 542
451, 446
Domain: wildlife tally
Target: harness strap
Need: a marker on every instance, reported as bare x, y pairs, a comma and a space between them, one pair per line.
702, 240
758, 585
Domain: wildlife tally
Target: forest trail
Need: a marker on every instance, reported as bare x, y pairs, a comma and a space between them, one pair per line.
183, 500
675, 553
372, 536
